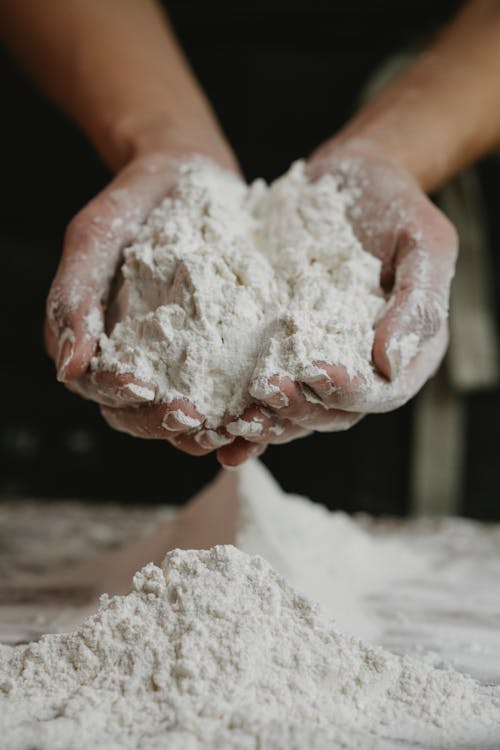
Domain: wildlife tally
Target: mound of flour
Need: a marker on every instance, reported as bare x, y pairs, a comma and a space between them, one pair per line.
227, 285
216, 650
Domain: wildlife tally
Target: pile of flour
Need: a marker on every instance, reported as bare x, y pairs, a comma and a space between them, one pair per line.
216, 650
228, 285
326, 556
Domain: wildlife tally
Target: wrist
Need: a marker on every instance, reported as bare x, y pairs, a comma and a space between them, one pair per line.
346, 148
131, 137
419, 155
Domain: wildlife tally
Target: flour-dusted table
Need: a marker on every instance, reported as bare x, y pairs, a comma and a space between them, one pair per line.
450, 615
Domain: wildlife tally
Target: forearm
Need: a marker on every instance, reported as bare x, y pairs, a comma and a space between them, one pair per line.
114, 66
444, 111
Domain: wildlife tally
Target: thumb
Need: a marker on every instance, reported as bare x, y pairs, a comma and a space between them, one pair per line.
418, 306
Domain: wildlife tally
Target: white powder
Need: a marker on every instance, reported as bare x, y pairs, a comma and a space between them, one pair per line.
227, 285
216, 650
325, 555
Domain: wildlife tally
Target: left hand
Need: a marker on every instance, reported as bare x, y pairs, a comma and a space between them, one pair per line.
417, 246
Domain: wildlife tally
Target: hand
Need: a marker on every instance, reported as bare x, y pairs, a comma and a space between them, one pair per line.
417, 245
76, 314
76, 305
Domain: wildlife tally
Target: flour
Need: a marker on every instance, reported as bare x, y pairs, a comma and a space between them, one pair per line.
228, 285
216, 650
325, 555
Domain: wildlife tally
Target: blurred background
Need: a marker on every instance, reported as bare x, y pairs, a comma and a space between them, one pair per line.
282, 76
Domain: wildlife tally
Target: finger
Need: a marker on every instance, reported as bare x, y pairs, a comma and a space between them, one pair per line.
256, 424
92, 249
143, 422
276, 431
121, 394
285, 397
155, 421
424, 365
418, 306
201, 442
126, 389
232, 456
338, 389
332, 383
303, 407
286, 432
117, 390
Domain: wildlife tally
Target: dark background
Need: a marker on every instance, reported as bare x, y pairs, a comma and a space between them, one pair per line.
282, 77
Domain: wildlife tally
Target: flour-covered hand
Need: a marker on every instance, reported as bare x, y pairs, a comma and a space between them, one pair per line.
77, 307
416, 244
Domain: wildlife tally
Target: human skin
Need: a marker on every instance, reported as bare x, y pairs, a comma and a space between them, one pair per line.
115, 67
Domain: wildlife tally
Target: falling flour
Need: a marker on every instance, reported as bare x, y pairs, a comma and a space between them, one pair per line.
325, 555
228, 285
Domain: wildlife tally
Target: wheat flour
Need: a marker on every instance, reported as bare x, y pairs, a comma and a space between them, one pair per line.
325, 555
216, 650
228, 285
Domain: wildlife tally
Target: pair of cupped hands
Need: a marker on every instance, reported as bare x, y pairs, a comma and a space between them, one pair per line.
392, 218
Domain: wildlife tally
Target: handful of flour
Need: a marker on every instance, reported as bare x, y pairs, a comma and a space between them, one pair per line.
227, 285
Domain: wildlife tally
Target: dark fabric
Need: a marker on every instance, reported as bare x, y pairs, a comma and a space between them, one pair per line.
282, 76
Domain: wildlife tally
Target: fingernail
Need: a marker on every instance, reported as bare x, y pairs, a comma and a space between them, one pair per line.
242, 428
211, 440
278, 400
253, 451
65, 353
140, 392
176, 421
